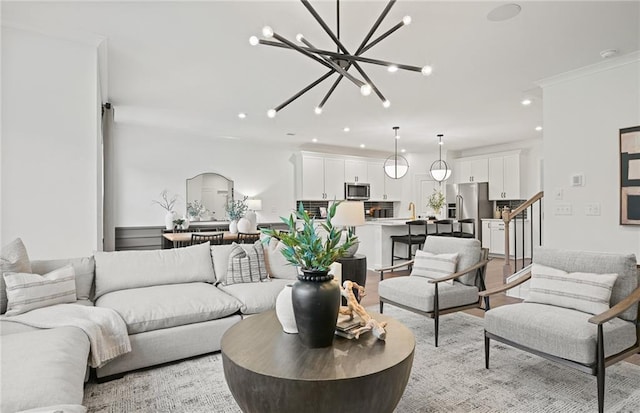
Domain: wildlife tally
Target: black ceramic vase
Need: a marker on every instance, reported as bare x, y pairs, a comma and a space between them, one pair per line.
316, 301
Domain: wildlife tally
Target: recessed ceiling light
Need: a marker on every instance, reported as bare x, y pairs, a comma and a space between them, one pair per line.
314, 140
605, 54
291, 134
318, 110
271, 113
526, 102
346, 129
504, 12
403, 150
362, 145
538, 128
242, 115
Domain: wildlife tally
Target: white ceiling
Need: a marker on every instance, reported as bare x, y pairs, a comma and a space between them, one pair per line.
189, 66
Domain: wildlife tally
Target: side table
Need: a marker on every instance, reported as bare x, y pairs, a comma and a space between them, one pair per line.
354, 269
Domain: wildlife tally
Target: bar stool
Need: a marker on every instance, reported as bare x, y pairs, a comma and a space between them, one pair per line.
410, 239
444, 228
470, 225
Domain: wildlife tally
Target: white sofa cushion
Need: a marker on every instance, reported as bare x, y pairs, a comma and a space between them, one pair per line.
580, 291
26, 292
277, 264
123, 270
419, 293
13, 258
165, 306
84, 268
45, 367
256, 297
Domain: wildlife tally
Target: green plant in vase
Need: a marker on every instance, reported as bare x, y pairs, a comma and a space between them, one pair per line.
436, 201
315, 298
235, 210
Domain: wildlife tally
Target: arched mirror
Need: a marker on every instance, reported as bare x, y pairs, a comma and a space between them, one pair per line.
207, 195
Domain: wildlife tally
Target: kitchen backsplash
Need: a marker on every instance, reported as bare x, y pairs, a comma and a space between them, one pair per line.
371, 209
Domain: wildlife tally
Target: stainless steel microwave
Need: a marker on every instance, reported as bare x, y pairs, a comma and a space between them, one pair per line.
356, 191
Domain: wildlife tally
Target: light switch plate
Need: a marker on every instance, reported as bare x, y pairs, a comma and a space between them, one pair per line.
592, 209
557, 194
562, 209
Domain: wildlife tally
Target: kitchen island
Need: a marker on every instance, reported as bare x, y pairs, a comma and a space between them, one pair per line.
375, 240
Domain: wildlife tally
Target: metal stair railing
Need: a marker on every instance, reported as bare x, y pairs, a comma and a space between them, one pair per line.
519, 213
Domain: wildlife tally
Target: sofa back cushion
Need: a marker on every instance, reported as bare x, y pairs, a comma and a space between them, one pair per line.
13, 258
277, 264
123, 270
600, 263
84, 268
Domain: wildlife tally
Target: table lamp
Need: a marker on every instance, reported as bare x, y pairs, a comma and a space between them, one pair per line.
349, 214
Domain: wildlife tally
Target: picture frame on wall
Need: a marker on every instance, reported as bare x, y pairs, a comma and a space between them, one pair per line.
630, 176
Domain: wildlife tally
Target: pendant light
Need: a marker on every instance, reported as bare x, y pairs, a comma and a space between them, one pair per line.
439, 169
396, 166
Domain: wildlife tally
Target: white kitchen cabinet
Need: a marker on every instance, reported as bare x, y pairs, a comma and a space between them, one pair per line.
322, 178
493, 237
471, 170
375, 174
356, 171
392, 189
504, 177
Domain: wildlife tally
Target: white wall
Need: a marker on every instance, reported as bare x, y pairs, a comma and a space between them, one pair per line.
583, 112
49, 144
147, 160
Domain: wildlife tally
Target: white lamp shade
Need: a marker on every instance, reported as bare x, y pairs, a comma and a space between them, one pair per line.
254, 204
349, 214
396, 171
440, 174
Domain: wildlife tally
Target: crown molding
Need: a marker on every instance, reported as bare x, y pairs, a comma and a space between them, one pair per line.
75, 36
591, 69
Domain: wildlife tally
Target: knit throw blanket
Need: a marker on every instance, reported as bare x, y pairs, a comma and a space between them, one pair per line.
105, 328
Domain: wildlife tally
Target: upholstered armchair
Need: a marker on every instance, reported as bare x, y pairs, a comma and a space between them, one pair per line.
446, 276
582, 311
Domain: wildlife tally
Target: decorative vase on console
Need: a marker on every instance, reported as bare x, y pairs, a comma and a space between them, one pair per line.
167, 203
244, 225
236, 210
315, 296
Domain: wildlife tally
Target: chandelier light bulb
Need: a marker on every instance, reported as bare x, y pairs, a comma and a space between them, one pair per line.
271, 113
253, 41
299, 37
365, 89
427, 70
267, 32
392, 69
386, 104
406, 20
318, 110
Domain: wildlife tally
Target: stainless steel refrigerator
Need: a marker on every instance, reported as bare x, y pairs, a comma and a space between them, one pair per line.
472, 201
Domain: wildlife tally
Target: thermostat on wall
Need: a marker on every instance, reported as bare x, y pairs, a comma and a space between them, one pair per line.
577, 180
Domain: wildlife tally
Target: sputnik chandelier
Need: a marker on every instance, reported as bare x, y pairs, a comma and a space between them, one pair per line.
342, 60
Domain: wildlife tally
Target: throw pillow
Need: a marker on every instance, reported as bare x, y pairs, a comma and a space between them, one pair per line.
434, 266
277, 264
246, 264
582, 291
27, 292
13, 258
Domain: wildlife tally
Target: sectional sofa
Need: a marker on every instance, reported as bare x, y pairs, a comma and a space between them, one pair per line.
176, 303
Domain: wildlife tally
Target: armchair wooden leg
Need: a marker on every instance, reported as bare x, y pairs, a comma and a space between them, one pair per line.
600, 369
487, 306
436, 313
487, 341
381, 305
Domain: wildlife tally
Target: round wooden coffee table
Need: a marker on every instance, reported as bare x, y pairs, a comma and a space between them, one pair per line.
268, 370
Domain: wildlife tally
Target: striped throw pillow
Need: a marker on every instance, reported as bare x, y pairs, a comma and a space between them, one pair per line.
27, 292
586, 292
246, 264
434, 266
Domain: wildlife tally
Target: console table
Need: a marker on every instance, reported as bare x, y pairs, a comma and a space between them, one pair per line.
268, 370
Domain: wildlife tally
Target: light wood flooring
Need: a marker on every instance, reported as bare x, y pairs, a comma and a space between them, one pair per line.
493, 279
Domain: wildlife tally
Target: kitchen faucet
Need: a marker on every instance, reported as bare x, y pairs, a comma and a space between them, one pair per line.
412, 208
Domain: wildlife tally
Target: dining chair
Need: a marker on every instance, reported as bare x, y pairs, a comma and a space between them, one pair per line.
466, 228
214, 239
444, 228
248, 238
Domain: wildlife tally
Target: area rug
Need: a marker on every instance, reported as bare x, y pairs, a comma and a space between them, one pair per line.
450, 378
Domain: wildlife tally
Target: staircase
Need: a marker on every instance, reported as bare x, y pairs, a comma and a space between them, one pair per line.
521, 265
